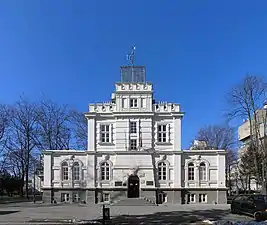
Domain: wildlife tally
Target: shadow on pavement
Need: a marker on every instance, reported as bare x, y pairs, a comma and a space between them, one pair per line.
7, 212
171, 218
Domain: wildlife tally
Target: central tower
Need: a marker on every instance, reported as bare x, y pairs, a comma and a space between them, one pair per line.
132, 73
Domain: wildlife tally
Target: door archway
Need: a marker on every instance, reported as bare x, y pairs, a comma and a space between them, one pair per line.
133, 186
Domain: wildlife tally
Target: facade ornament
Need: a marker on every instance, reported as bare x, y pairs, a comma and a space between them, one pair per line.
106, 157
71, 161
198, 160
163, 157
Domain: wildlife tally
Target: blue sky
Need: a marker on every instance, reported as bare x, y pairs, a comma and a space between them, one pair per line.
71, 51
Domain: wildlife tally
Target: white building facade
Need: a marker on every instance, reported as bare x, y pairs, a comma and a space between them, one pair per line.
134, 151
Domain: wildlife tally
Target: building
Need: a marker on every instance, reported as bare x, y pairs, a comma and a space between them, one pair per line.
37, 181
134, 150
246, 133
240, 183
258, 131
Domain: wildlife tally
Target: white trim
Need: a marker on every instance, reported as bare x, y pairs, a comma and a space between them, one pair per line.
200, 196
190, 195
110, 166
167, 163
110, 132
61, 170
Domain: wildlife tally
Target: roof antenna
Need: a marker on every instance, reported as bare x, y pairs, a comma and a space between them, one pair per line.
130, 57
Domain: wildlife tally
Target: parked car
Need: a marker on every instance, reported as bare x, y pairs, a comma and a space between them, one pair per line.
253, 205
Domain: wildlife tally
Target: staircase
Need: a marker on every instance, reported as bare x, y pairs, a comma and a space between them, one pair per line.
133, 202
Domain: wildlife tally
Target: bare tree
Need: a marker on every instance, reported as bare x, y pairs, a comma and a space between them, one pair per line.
218, 137
244, 100
4, 123
53, 126
21, 141
16, 164
79, 127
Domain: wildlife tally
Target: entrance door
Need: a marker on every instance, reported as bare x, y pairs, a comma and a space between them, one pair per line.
133, 186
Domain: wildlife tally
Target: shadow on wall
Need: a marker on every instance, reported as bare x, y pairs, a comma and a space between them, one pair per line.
172, 218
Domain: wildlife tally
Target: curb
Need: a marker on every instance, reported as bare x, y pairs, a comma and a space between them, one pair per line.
150, 201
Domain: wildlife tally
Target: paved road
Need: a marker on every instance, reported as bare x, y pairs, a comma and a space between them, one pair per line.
20, 213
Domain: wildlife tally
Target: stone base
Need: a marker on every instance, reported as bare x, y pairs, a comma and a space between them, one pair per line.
213, 196
174, 196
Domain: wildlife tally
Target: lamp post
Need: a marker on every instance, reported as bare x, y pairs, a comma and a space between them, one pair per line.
264, 186
34, 185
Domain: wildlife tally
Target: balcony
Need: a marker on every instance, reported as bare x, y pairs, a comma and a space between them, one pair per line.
138, 87
162, 107
107, 107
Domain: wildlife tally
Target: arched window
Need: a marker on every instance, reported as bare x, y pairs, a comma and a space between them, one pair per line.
105, 171
76, 171
65, 171
162, 171
191, 171
202, 171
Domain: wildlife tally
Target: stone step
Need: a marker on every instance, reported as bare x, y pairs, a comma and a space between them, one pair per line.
133, 202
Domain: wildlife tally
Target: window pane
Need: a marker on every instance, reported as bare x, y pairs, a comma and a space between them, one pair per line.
133, 144
162, 133
133, 127
105, 133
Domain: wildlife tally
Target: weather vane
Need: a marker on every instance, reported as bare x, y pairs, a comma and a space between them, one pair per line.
130, 56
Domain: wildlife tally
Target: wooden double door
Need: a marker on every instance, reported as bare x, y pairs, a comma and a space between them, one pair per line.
133, 186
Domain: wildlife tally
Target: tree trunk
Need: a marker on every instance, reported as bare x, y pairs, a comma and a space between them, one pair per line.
27, 180
21, 186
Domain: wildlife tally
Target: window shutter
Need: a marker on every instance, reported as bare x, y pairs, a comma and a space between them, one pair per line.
139, 133
169, 132
156, 135
98, 133
129, 137
111, 132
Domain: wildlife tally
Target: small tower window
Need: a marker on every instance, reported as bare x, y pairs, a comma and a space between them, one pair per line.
133, 102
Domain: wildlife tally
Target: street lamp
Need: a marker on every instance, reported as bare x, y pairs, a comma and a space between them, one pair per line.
264, 186
34, 188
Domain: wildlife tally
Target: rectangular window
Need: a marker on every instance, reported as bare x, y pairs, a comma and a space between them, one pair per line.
143, 103
124, 105
162, 174
162, 198
65, 173
106, 197
76, 197
76, 173
65, 197
191, 173
105, 172
133, 102
133, 144
191, 198
162, 171
104, 133
162, 133
202, 173
133, 128
202, 198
